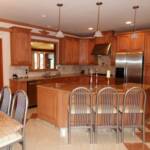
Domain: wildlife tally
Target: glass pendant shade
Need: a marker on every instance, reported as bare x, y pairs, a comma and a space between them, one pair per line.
60, 34
98, 33
134, 35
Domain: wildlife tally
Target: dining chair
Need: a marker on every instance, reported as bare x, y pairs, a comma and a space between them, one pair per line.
5, 98
80, 110
133, 110
106, 111
18, 112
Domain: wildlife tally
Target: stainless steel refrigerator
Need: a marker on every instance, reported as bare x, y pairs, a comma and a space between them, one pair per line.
129, 67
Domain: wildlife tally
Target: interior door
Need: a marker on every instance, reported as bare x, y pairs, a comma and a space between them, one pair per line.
1, 65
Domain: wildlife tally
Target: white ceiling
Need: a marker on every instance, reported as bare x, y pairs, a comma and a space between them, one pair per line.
77, 15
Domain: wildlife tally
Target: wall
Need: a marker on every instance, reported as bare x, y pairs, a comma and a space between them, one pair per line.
104, 64
5, 36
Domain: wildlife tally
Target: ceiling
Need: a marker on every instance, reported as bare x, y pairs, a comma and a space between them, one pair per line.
77, 15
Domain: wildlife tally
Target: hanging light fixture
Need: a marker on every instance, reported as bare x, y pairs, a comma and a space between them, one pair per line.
59, 34
134, 35
98, 33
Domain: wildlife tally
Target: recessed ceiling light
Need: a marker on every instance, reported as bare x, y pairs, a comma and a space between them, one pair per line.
128, 22
90, 28
43, 15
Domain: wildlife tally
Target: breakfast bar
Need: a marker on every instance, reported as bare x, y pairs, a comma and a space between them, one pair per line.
53, 99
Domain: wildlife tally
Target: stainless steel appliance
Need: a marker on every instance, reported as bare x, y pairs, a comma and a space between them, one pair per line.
129, 67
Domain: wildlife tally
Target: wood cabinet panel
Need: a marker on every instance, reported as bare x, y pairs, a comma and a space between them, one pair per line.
147, 73
126, 43
107, 37
138, 43
147, 48
17, 85
47, 104
123, 42
92, 59
86, 48
113, 50
83, 57
20, 46
69, 51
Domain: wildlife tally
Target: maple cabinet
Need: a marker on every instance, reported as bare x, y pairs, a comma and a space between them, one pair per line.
86, 48
69, 51
147, 48
147, 73
113, 50
20, 47
147, 59
126, 43
107, 38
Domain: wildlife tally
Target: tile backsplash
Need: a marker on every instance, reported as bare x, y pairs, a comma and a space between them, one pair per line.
104, 63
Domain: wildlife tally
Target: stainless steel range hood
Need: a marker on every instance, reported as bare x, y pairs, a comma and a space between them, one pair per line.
102, 49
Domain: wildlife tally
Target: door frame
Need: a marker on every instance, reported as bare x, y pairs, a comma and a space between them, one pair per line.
1, 64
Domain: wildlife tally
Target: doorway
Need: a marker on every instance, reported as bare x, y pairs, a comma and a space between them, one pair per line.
1, 65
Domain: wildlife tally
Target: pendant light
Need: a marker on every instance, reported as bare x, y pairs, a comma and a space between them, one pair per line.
98, 33
59, 34
134, 35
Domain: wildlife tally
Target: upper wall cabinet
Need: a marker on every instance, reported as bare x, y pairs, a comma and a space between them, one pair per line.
147, 49
107, 38
69, 51
20, 47
126, 43
86, 48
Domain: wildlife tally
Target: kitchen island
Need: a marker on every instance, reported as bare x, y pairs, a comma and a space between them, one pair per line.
53, 99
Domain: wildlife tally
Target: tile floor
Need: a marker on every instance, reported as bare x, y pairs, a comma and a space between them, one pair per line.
41, 135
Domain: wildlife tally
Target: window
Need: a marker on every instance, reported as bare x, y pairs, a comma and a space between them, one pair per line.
43, 55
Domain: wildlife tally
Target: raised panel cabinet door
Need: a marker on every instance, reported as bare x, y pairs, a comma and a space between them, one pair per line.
138, 43
147, 73
92, 59
113, 50
83, 54
66, 51
123, 42
107, 36
75, 51
147, 49
21, 46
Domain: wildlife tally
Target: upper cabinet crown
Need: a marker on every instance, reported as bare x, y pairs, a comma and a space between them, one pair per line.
126, 43
20, 46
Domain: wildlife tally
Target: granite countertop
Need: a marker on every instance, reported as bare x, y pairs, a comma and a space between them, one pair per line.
69, 87
45, 78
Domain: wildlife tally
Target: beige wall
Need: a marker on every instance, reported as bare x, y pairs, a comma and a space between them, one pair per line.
5, 36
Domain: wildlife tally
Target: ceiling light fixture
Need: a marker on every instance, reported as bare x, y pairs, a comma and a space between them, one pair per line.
59, 34
43, 15
134, 35
90, 28
128, 22
98, 33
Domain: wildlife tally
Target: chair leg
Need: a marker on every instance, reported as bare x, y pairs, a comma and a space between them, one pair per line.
122, 134
9, 147
91, 129
23, 144
143, 129
69, 130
